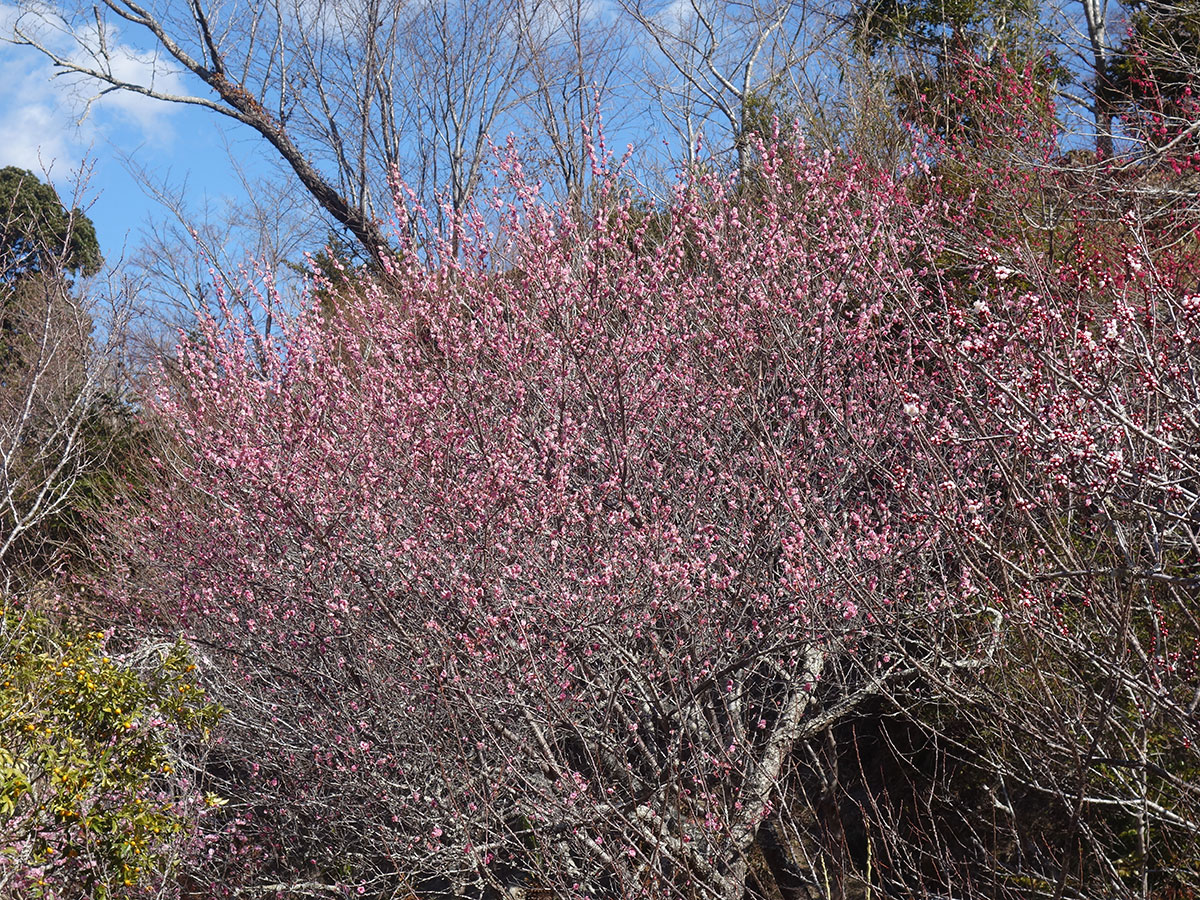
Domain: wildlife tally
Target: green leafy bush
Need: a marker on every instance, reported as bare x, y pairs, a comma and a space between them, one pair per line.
92, 799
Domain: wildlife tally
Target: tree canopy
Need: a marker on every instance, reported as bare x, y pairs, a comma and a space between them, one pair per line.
36, 228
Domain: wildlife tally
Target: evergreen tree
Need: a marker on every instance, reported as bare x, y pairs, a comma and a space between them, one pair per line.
37, 232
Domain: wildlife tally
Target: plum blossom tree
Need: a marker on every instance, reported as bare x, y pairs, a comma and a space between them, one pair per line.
617, 558
545, 564
1073, 367
1065, 355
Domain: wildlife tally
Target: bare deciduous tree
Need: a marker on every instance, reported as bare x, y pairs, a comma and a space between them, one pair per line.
714, 61
579, 70
53, 371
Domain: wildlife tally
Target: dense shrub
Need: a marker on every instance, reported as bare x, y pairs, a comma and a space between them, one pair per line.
94, 799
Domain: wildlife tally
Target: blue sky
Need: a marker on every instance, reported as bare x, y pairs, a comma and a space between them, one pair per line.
47, 125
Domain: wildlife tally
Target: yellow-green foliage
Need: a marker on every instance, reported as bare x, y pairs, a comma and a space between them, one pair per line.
90, 802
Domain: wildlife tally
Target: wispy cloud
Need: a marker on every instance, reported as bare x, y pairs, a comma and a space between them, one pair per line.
46, 119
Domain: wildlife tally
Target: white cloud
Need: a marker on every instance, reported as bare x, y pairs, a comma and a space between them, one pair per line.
45, 118
605, 11
677, 16
150, 116
36, 127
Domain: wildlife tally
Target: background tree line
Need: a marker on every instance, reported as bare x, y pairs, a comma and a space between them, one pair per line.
821, 525
348, 99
